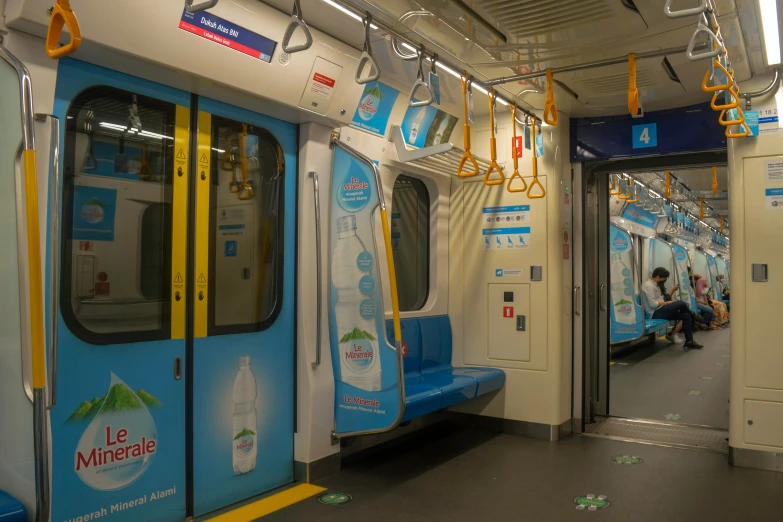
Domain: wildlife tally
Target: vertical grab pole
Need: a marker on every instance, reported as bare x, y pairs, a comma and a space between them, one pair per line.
318, 280
40, 428
54, 255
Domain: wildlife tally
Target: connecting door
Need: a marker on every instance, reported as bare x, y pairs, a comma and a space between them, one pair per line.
175, 356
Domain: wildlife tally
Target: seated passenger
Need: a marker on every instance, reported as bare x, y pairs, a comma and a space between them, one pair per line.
719, 309
706, 310
655, 304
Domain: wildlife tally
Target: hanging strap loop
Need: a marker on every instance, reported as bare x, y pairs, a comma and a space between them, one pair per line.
493, 165
743, 133
668, 185
614, 186
203, 6
715, 179
466, 156
420, 84
535, 181
633, 91
62, 16
716, 88
728, 123
717, 46
296, 21
725, 106
367, 56
516, 173
550, 109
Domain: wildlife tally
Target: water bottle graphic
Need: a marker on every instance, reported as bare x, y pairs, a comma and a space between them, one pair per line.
245, 420
416, 124
439, 134
622, 291
355, 313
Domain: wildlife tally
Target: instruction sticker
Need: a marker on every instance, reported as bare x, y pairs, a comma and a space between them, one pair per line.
319, 90
774, 171
506, 238
774, 197
505, 216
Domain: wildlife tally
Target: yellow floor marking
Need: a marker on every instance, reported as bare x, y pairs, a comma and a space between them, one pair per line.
269, 505
612, 363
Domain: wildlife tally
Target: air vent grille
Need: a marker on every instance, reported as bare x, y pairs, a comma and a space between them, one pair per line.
527, 18
646, 78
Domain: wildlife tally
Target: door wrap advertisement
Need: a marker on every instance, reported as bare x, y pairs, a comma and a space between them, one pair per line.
364, 363
627, 318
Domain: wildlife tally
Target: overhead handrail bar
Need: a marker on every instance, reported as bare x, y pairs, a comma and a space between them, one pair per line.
296, 21
493, 153
591, 65
550, 109
395, 41
667, 9
535, 181
203, 6
392, 290
318, 299
35, 287
467, 155
633, 90
367, 56
516, 173
62, 16
420, 83
773, 86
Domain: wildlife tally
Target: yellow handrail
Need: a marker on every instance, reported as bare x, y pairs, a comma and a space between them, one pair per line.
466, 156
516, 173
62, 16
668, 184
715, 175
614, 185
633, 91
392, 278
34, 268
535, 170
550, 109
493, 165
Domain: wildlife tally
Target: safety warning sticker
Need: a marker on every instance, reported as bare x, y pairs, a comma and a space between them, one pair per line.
774, 197
502, 238
505, 216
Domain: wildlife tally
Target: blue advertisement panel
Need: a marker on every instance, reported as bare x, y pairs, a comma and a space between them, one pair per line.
93, 213
686, 293
685, 129
364, 363
626, 317
633, 212
427, 126
375, 108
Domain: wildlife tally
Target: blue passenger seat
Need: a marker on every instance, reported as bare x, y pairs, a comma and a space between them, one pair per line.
657, 326
11, 510
431, 382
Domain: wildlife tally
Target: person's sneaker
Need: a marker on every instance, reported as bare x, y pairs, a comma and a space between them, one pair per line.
671, 338
693, 345
680, 338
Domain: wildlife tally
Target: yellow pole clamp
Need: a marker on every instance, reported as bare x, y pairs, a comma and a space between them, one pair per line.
550, 109
466, 156
633, 91
493, 165
516, 173
62, 16
535, 181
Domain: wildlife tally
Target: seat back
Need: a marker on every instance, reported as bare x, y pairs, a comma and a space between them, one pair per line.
411, 336
435, 342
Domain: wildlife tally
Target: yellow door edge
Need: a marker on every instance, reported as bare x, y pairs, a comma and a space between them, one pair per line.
270, 504
179, 239
201, 272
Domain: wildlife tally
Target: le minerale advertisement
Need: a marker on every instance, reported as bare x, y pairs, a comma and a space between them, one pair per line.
627, 317
633, 212
365, 365
427, 126
375, 108
686, 292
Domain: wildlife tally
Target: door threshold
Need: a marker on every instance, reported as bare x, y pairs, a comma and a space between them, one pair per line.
680, 436
262, 505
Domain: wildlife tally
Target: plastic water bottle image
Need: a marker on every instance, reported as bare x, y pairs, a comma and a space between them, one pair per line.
355, 313
416, 124
245, 421
625, 311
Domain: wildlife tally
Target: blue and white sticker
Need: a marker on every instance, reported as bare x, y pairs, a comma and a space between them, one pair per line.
774, 197
505, 216
508, 272
644, 136
540, 146
505, 238
435, 86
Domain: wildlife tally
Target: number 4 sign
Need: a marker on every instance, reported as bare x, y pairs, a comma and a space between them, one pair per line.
645, 136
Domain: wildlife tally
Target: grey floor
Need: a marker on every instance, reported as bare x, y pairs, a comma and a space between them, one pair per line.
664, 382
459, 474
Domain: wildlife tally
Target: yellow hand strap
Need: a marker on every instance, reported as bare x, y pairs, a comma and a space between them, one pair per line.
715, 174
550, 109
614, 186
535, 170
668, 184
732, 105
493, 165
728, 123
62, 16
633, 91
467, 156
516, 173
745, 132
716, 88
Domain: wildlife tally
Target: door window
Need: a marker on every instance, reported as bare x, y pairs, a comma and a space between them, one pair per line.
118, 162
411, 241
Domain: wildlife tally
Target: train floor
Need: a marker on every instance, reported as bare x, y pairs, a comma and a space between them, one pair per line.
462, 474
664, 382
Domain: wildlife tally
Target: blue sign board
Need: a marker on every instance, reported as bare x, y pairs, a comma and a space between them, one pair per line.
626, 317
685, 129
93, 213
375, 107
644, 136
752, 120
633, 212
231, 248
427, 126
225, 33
364, 363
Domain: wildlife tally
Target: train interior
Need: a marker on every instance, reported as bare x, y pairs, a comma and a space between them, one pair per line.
296, 260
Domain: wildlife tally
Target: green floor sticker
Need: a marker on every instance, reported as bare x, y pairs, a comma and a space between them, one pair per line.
591, 502
335, 499
672, 416
695, 392
628, 460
